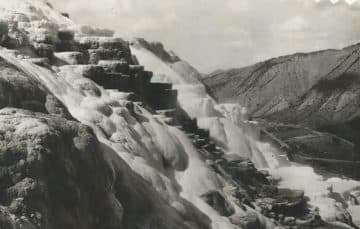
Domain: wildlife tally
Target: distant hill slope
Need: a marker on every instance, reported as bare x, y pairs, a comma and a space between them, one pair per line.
316, 89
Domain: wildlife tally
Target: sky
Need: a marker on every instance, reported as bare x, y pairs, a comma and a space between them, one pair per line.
222, 34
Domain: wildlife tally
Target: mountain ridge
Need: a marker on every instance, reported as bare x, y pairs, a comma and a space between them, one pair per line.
318, 90
337, 65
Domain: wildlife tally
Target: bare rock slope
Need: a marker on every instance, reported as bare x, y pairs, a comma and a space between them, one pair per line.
316, 89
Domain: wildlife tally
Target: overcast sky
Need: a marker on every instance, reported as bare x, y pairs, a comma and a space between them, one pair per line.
213, 34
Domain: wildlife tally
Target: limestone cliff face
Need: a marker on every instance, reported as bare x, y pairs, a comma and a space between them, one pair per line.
46, 161
55, 174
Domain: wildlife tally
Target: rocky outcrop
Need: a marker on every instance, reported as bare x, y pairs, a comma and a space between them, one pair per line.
71, 180
46, 162
158, 49
18, 90
55, 174
218, 202
183, 68
248, 221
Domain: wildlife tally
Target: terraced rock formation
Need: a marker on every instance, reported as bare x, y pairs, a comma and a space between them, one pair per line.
88, 140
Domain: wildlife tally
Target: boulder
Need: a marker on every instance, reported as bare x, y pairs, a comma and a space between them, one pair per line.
246, 173
249, 220
217, 201
290, 202
211, 147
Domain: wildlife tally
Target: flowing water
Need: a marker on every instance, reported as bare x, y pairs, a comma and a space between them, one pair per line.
141, 144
